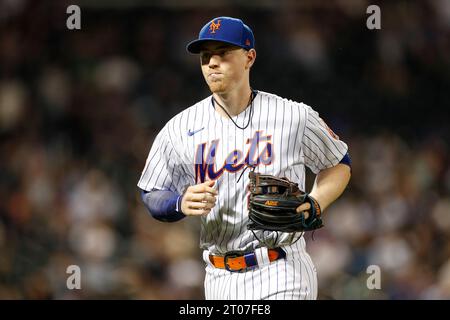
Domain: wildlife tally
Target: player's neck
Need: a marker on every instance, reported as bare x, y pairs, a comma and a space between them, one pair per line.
234, 102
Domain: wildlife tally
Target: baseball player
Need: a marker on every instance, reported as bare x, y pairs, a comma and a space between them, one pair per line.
198, 168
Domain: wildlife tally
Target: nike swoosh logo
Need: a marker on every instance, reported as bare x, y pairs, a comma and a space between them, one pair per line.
191, 133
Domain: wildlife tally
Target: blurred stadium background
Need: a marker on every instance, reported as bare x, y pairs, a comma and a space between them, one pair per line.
80, 109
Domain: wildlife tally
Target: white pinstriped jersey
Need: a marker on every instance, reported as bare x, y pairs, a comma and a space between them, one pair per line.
199, 144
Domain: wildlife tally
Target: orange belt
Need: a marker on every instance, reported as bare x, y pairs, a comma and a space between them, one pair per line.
239, 261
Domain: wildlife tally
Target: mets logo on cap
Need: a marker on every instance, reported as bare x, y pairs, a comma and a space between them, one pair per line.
214, 26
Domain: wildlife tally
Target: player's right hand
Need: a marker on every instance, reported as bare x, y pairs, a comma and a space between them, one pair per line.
199, 199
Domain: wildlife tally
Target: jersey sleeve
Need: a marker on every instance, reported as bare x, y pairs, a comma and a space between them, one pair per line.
160, 171
321, 147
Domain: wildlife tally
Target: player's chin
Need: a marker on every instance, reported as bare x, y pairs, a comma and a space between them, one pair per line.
216, 87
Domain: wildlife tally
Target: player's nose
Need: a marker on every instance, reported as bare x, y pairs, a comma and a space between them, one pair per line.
214, 61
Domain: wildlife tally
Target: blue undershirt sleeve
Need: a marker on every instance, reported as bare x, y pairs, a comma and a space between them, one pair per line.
346, 160
163, 205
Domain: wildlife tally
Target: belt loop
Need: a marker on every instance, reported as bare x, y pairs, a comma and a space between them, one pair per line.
281, 253
206, 258
262, 256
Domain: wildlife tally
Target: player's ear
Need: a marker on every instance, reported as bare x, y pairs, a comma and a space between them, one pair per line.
251, 56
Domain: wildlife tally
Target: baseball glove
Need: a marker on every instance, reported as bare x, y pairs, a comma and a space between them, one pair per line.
273, 202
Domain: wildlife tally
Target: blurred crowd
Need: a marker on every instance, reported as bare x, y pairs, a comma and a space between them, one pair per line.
79, 110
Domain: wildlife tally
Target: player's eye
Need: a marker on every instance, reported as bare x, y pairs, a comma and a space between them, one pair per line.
205, 57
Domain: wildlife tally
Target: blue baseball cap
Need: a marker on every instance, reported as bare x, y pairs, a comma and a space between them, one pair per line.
224, 29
